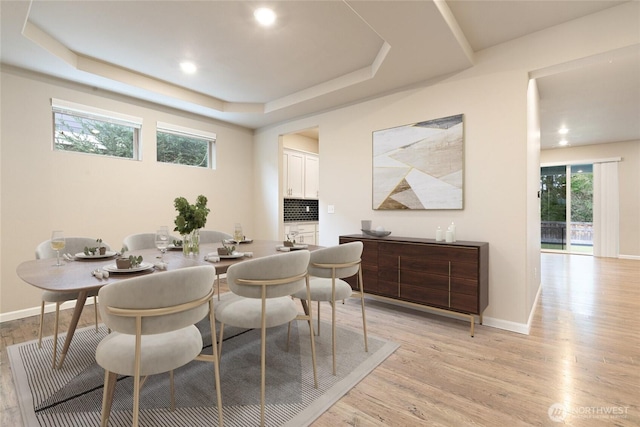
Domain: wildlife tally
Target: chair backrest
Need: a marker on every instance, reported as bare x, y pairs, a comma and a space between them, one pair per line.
72, 245
347, 253
290, 265
181, 294
137, 241
212, 236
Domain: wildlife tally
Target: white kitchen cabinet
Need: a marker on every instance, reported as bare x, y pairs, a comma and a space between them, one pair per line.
311, 176
293, 173
300, 174
306, 232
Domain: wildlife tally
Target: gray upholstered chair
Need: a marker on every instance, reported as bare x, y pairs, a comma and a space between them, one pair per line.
327, 268
263, 289
72, 245
153, 321
212, 236
138, 241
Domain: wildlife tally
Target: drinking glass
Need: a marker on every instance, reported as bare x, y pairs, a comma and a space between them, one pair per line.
162, 241
57, 243
238, 236
293, 232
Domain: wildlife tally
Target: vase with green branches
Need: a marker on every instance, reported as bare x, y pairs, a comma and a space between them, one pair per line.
191, 218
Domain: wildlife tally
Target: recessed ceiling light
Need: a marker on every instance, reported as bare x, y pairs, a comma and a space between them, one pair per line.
264, 16
563, 131
563, 142
188, 67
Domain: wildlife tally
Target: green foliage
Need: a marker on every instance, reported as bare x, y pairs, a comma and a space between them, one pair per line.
182, 150
190, 217
93, 136
582, 197
135, 260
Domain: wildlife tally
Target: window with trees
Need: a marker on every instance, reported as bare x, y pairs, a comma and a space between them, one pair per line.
185, 146
86, 129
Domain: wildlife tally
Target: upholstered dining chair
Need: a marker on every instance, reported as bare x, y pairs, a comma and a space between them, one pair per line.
263, 289
327, 269
212, 236
152, 318
138, 241
73, 245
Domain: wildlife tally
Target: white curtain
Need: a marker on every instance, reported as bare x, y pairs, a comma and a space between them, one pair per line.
606, 212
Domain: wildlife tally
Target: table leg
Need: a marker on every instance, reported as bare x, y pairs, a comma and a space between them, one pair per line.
77, 311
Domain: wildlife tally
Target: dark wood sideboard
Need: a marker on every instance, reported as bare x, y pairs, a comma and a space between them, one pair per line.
451, 277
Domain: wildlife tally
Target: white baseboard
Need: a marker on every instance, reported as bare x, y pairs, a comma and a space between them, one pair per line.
35, 311
636, 257
507, 325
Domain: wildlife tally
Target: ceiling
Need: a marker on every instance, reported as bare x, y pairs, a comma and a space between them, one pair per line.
317, 56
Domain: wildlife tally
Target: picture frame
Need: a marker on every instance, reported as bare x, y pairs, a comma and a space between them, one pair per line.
419, 166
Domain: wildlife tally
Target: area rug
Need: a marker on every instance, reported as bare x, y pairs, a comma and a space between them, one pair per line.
72, 396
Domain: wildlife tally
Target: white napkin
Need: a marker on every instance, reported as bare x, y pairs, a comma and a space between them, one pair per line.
212, 257
68, 257
248, 254
160, 265
284, 248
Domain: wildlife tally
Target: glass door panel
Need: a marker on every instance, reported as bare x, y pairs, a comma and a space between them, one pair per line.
553, 213
581, 221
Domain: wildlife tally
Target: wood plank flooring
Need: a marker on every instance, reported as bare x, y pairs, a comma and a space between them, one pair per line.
583, 352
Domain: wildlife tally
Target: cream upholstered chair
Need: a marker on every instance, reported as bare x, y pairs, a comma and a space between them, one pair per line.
263, 289
212, 236
153, 321
327, 268
138, 241
72, 245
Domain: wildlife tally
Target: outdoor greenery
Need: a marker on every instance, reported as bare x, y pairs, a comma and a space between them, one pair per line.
553, 196
173, 148
79, 134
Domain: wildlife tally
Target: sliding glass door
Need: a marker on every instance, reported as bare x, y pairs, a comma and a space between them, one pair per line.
567, 208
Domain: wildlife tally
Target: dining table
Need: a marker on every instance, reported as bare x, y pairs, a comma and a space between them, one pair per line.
78, 273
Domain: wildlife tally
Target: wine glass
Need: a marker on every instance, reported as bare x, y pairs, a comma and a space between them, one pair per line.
162, 241
238, 236
57, 243
293, 232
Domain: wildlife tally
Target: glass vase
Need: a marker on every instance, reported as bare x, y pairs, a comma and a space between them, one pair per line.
191, 243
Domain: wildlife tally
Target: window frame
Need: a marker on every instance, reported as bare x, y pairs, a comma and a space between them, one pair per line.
97, 114
209, 137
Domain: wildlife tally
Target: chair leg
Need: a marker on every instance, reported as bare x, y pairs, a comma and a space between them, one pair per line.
55, 337
172, 391
41, 324
216, 359
220, 342
95, 307
318, 318
107, 396
263, 358
364, 317
333, 333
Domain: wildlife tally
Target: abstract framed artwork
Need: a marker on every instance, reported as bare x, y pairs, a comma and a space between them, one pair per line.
419, 166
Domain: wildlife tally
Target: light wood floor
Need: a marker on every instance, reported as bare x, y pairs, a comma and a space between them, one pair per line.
583, 352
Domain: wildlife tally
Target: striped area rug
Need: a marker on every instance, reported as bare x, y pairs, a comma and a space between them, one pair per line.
72, 396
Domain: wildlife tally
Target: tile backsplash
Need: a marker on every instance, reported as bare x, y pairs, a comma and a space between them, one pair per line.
300, 210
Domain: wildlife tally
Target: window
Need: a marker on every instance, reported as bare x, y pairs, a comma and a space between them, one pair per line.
185, 146
90, 130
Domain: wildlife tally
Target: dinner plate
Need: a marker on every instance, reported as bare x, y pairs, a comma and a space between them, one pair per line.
113, 268
107, 254
232, 256
235, 242
294, 247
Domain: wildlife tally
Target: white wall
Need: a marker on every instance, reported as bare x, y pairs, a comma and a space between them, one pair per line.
629, 184
95, 196
501, 160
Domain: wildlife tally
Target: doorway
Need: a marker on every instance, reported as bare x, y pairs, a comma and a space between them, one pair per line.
566, 213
